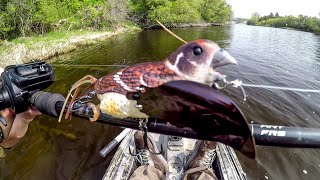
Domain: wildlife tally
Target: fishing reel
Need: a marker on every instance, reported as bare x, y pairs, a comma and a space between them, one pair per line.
20, 82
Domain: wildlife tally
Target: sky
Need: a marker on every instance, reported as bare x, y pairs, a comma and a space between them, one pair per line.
245, 8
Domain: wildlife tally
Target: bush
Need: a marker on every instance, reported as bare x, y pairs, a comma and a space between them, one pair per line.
303, 23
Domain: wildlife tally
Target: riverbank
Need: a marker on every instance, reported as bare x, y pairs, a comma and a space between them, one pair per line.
300, 23
288, 28
23, 50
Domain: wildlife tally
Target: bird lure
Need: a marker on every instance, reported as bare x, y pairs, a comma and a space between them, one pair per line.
195, 61
141, 91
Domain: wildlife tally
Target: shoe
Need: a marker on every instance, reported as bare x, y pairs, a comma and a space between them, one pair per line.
203, 154
145, 157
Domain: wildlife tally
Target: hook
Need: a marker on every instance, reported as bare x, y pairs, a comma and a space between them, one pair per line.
146, 138
143, 127
146, 147
221, 85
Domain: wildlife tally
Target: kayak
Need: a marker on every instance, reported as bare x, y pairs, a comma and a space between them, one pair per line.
176, 151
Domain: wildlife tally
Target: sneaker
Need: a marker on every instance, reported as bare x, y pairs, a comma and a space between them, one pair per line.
145, 157
204, 154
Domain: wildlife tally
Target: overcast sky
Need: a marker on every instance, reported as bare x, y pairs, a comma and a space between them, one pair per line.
244, 8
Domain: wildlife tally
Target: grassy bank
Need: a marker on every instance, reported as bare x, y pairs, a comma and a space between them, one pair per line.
22, 50
302, 23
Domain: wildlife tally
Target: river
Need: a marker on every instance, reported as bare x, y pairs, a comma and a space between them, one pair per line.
268, 56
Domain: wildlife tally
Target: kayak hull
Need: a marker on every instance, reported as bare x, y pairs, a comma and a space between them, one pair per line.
176, 150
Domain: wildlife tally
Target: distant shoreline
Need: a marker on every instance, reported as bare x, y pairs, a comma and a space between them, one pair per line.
300, 23
288, 28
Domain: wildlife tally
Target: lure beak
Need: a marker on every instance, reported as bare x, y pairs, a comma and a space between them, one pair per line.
222, 58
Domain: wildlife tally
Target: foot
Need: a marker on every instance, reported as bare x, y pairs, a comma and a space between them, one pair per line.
145, 157
203, 154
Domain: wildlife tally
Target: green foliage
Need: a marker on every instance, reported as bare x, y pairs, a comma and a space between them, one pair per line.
180, 11
303, 23
33, 17
216, 11
254, 19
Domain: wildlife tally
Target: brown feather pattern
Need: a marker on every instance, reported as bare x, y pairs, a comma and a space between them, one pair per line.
150, 74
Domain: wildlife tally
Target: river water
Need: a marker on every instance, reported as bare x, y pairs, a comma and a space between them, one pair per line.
268, 56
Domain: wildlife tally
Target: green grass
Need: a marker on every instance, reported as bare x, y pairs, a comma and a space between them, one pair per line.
60, 36
51, 36
51, 44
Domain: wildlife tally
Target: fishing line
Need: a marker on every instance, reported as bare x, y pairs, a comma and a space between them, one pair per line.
237, 83
281, 88
276, 76
88, 65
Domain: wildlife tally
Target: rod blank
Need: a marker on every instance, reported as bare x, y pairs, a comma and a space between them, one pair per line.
285, 136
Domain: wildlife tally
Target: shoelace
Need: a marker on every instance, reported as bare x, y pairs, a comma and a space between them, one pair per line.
210, 156
143, 156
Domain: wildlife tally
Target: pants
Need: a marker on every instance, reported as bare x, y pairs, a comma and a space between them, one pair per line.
151, 173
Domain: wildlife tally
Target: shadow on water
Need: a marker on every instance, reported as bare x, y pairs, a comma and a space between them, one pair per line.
70, 150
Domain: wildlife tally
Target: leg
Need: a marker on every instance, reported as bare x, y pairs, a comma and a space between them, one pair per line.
200, 173
200, 161
150, 166
147, 173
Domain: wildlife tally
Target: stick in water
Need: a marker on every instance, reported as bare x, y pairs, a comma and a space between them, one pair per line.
170, 32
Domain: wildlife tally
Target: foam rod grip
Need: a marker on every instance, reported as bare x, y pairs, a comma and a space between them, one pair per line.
45, 102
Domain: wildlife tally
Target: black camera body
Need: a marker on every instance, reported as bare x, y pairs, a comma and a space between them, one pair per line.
20, 82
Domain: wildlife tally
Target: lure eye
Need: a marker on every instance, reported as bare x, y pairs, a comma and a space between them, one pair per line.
197, 51
136, 96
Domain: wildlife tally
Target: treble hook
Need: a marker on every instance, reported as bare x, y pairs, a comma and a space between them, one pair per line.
145, 140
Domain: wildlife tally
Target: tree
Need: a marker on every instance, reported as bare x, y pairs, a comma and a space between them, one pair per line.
271, 15
254, 19
216, 11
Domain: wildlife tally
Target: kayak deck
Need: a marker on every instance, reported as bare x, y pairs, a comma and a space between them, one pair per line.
226, 165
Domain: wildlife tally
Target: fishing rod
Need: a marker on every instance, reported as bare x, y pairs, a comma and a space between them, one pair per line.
178, 108
264, 135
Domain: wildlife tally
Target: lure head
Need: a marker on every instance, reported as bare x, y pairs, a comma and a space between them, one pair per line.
197, 61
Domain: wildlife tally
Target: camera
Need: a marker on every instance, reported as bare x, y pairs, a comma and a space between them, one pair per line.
20, 82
